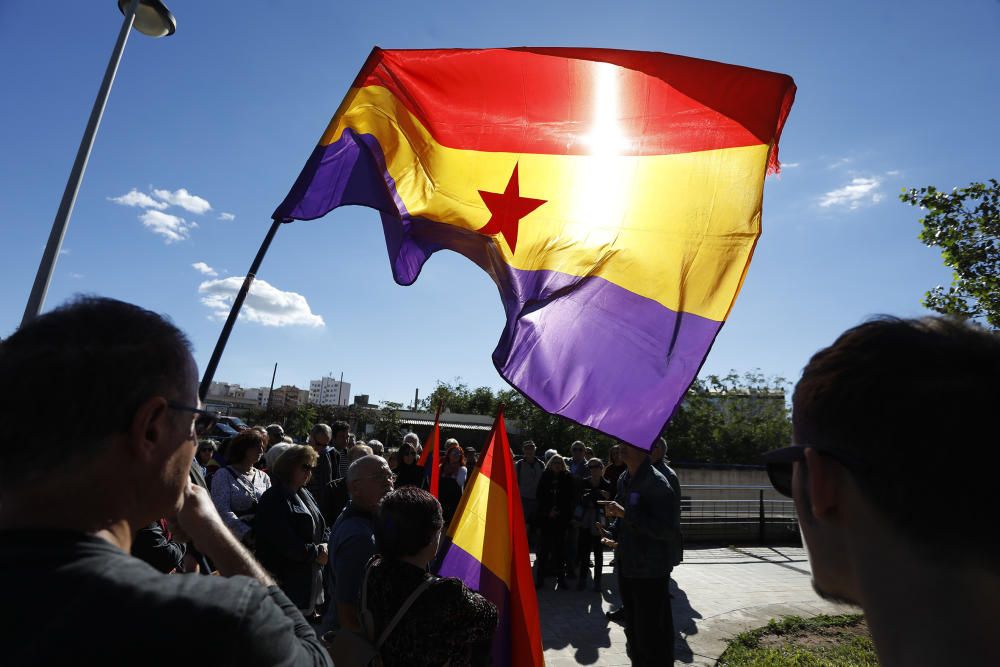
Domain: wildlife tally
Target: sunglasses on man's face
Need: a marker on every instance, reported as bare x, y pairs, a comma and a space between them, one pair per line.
781, 464
204, 420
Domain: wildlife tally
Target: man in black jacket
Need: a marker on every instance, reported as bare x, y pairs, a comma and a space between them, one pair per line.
646, 527
118, 459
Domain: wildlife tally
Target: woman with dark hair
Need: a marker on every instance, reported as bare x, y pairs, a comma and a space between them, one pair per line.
237, 488
408, 473
556, 495
447, 623
291, 532
452, 480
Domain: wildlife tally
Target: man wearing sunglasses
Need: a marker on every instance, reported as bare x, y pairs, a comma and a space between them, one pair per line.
894, 479
118, 459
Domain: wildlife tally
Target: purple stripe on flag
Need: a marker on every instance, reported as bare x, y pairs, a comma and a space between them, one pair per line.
457, 562
581, 347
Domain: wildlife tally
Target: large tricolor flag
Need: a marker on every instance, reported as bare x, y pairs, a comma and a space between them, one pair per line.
613, 196
487, 547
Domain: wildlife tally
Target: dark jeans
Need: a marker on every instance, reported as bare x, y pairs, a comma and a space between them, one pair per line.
551, 543
589, 544
649, 624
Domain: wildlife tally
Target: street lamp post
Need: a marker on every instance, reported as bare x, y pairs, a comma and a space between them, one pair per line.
150, 17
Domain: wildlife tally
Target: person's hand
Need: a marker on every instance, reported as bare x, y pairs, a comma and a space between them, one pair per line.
198, 518
191, 564
322, 554
605, 494
601, 530
612, 509
609, 543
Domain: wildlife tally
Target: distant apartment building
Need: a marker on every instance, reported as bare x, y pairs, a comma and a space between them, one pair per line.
246, 397
288, 396
328, 391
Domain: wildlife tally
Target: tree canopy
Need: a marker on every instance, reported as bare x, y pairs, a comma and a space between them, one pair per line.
965, 224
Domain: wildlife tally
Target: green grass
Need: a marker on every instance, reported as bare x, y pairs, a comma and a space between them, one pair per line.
821, 641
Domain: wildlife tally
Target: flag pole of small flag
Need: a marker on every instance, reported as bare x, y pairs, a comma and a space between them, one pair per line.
487, 548
430, 457
613, 196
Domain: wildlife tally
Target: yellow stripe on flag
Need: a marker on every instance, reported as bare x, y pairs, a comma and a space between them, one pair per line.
491, 548
678, 229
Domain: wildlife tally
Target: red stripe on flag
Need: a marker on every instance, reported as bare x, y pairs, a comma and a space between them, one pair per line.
551, 100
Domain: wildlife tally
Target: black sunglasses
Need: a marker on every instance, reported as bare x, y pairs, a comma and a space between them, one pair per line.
205, 420
780, 464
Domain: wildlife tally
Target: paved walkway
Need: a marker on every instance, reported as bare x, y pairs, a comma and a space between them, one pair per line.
719, 592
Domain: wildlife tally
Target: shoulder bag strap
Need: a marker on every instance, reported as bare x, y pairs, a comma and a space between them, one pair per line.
402, 610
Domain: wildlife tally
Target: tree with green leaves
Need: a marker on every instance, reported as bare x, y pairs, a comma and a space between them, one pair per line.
965, 224
730, 419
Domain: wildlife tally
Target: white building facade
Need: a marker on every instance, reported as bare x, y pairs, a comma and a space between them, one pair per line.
328, 391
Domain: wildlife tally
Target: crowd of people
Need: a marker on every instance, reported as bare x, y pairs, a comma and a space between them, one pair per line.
107, 526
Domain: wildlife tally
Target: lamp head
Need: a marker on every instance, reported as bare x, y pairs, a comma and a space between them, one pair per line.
151, 18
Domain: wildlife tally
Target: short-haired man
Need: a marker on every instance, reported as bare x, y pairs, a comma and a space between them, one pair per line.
118, 459
645, 530
341, 432
326, 465
577, 465
352, 541
872, 417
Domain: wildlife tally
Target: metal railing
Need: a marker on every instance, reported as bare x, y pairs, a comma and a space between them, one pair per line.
737, 513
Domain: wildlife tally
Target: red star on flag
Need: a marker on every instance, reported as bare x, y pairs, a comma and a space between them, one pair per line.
507, 209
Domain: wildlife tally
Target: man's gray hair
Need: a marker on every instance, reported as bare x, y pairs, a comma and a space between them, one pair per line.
364, 466
412, 438
321, 428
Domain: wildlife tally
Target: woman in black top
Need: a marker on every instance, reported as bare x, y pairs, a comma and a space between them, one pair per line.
291, 533
556, 496
448, 623
408, 473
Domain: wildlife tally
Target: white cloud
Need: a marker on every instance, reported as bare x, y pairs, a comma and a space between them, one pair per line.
859, 192
893, 172
266, 304
135, 198
790, 165
839, 163
204, 268
226, 216
184, 199
76, 276
170, 227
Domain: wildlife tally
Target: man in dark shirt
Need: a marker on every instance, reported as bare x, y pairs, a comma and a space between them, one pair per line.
352, 540
646, 527
117, 460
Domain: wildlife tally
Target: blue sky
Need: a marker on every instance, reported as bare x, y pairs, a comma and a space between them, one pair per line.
225, 112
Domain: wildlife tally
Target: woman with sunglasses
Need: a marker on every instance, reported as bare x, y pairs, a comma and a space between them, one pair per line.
291, 533
408, 473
